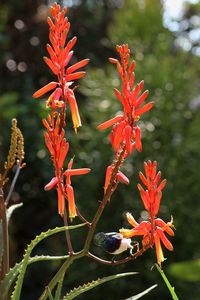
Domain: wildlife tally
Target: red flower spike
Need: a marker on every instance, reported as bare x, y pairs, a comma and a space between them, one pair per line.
131, 100
154, 230
60, 54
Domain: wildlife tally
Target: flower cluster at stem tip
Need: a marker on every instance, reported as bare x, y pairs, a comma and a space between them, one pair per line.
125, 134
60, 54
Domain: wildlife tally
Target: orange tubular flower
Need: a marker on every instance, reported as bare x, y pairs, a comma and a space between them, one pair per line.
60, 55
153, 231
124, 129
58, 148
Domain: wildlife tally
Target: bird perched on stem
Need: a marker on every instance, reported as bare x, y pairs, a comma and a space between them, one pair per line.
113, 242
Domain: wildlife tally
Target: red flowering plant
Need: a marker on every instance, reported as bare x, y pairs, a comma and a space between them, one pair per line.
125, 138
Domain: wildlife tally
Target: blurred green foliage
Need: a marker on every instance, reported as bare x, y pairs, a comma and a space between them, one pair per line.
170, 131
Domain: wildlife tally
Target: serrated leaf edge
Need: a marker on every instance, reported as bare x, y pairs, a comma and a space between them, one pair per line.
90, 285
19, 282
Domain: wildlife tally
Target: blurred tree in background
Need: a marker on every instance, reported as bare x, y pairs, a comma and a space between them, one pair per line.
170, 133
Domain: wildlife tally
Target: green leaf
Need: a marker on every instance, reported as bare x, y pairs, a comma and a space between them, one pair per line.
11, 209
10, 277
50, 294
140, 295
17, 290
88, 286
170, 288
186, 270
59, 288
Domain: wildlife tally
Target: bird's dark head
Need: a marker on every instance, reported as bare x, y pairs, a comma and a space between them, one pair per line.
99, 238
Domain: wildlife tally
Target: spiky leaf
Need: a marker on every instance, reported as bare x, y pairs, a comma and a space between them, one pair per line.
88, 286
17, 289
10, 277
11, 209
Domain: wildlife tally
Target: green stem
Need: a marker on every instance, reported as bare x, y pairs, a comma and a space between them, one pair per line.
3, 217
91, 230
170, 288
105, 200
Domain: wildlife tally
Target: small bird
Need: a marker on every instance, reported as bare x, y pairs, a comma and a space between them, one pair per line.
113, 242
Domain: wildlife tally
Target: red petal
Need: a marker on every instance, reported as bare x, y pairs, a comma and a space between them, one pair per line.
71, 201
51, 24
63, 152
74, 110
159, 252
74, 76
51, 184
48, 87
53, 66
108, 176
69, 56
123, 178
142, 98
70, 44
144, 197
61, 202
156, 205
75, 172
113, 60
164, 239
157, 178
132, 67
138, 139
52, 53
78, 65
119, 95
128, 132
110, 122
143, 179
162, 184
143, 109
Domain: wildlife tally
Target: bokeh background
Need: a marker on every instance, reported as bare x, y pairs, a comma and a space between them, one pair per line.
164, 38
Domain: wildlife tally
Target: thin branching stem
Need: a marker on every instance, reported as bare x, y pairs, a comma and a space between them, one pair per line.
13, 184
